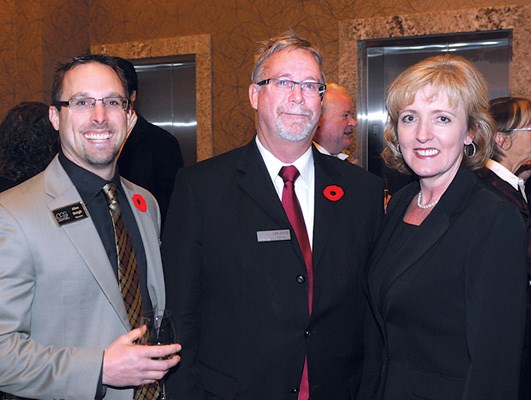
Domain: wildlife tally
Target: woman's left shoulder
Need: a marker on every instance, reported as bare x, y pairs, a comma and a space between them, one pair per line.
488, 206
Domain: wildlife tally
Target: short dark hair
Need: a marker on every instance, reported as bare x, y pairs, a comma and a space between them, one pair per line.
129, 72
62, 69
28, 141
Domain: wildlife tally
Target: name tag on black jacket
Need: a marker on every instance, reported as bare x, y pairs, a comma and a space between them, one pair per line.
273, 236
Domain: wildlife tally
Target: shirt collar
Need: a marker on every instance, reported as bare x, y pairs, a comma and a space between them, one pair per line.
341, 156
321, 148
504, 174
87, 183
304, 163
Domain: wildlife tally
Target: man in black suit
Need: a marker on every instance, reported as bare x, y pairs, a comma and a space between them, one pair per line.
151, 156
256, 322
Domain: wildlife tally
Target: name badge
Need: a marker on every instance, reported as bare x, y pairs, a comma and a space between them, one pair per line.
273, 236
70, 213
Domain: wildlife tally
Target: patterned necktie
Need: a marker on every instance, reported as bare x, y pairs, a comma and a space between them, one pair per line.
293, 210
127, 271
128, 277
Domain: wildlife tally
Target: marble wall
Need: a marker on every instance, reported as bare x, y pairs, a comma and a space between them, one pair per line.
514, 18
36, 34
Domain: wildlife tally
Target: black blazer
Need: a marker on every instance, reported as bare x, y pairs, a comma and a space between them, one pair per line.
150, 158
241, 304
504, 189
499, 186
448, 322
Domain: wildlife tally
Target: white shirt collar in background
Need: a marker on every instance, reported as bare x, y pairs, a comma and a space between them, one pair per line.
341, 156
507, 176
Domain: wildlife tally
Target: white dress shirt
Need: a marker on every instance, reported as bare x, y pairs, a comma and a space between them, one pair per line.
304, 185
507, 176
341, 156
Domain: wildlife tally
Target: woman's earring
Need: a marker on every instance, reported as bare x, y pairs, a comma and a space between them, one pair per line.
470, 153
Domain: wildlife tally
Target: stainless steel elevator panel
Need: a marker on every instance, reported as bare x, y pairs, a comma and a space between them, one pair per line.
167, 98
382, 60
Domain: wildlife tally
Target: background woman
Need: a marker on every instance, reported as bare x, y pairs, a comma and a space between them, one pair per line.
447, 282
28, 142
513, 154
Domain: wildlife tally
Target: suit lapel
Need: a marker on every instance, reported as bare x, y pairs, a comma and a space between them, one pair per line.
84, 236
438, 222
256, 182
150, 238
325, 211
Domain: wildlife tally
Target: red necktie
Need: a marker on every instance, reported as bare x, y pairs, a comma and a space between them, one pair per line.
293, 210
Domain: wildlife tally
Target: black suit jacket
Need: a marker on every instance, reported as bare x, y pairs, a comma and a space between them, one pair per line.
504, 189
447, 319
241, 304
150, 158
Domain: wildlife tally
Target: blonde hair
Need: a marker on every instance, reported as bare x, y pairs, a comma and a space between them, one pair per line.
462, 82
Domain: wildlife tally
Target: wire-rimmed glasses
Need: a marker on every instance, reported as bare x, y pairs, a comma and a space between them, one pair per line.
111, 103
282, 85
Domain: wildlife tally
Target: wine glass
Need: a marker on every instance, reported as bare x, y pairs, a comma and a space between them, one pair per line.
160, 330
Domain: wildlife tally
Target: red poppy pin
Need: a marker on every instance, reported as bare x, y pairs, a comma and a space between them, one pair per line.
139, 202
333, 192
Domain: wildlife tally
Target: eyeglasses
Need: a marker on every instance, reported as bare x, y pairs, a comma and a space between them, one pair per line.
281, 85
522, 129
115, 103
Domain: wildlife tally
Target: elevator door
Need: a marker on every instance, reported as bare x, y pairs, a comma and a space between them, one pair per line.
384, 59
166, 97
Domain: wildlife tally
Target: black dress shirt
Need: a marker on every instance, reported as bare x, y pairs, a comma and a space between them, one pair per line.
90, 187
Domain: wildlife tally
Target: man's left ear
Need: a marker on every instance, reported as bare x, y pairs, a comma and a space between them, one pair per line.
253, 95
53, 116
129, 116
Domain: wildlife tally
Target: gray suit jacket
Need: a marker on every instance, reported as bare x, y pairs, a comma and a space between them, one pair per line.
60, 304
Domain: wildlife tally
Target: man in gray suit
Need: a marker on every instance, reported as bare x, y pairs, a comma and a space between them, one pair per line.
64, 326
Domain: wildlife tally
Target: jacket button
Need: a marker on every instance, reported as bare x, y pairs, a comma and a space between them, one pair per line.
300, 279
308, 333
294, 390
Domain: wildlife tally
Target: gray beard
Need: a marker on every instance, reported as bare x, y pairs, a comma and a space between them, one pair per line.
294, 137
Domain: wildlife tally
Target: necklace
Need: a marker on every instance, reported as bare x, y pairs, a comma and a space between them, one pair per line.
430, 205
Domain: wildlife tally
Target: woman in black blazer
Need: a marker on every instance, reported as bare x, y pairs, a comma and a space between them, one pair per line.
447, 282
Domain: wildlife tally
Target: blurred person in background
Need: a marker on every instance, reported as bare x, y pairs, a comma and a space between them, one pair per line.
506, 174
337, 123
150, 156
28, 142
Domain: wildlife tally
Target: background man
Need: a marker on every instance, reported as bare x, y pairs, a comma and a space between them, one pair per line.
268, 301
337, 123
150, 156
65, 327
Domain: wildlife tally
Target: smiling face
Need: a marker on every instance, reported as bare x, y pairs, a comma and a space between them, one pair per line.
292, 116
337, 122
91, 139
432, 133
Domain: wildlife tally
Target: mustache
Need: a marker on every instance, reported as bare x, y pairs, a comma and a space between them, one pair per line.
98, 127
294, 110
